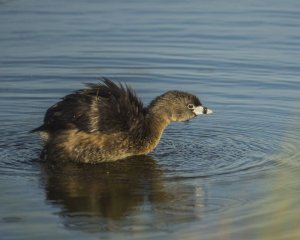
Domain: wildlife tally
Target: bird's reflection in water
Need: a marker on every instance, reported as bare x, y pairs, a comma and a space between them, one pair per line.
110, 196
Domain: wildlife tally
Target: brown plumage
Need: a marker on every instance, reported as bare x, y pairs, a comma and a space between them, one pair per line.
107, 122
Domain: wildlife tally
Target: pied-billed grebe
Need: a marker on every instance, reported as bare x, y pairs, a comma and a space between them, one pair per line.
107, 122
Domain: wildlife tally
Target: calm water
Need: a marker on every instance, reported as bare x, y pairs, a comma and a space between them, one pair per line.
230, 175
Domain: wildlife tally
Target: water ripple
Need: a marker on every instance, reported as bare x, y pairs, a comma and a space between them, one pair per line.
219, 150
19, 153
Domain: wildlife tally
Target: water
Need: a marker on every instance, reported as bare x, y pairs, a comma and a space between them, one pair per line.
230, 175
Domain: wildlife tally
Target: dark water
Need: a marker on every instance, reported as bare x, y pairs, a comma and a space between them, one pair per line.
231, 175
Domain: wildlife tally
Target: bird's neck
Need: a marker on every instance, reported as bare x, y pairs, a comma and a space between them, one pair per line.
153, 130
157, 123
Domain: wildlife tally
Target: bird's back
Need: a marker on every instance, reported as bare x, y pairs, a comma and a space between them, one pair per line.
105, 107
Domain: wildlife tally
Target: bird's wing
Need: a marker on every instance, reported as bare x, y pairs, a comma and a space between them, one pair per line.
69, 113
103, 107
119, 109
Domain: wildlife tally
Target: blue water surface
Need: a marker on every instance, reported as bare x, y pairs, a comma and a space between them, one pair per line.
230, 175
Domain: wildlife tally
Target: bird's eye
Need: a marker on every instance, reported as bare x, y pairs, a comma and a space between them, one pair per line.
191, 106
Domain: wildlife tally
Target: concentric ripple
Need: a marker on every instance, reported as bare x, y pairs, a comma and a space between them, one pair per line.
216, 148
19, 152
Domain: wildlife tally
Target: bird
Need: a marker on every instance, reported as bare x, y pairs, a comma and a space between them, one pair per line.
106, 121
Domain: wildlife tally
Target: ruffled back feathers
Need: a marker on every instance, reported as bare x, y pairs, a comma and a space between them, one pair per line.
104, 107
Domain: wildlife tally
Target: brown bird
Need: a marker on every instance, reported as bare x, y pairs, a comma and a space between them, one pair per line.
107, 121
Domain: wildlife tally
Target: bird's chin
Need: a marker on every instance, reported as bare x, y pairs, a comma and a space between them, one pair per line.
189, 119
186, 121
